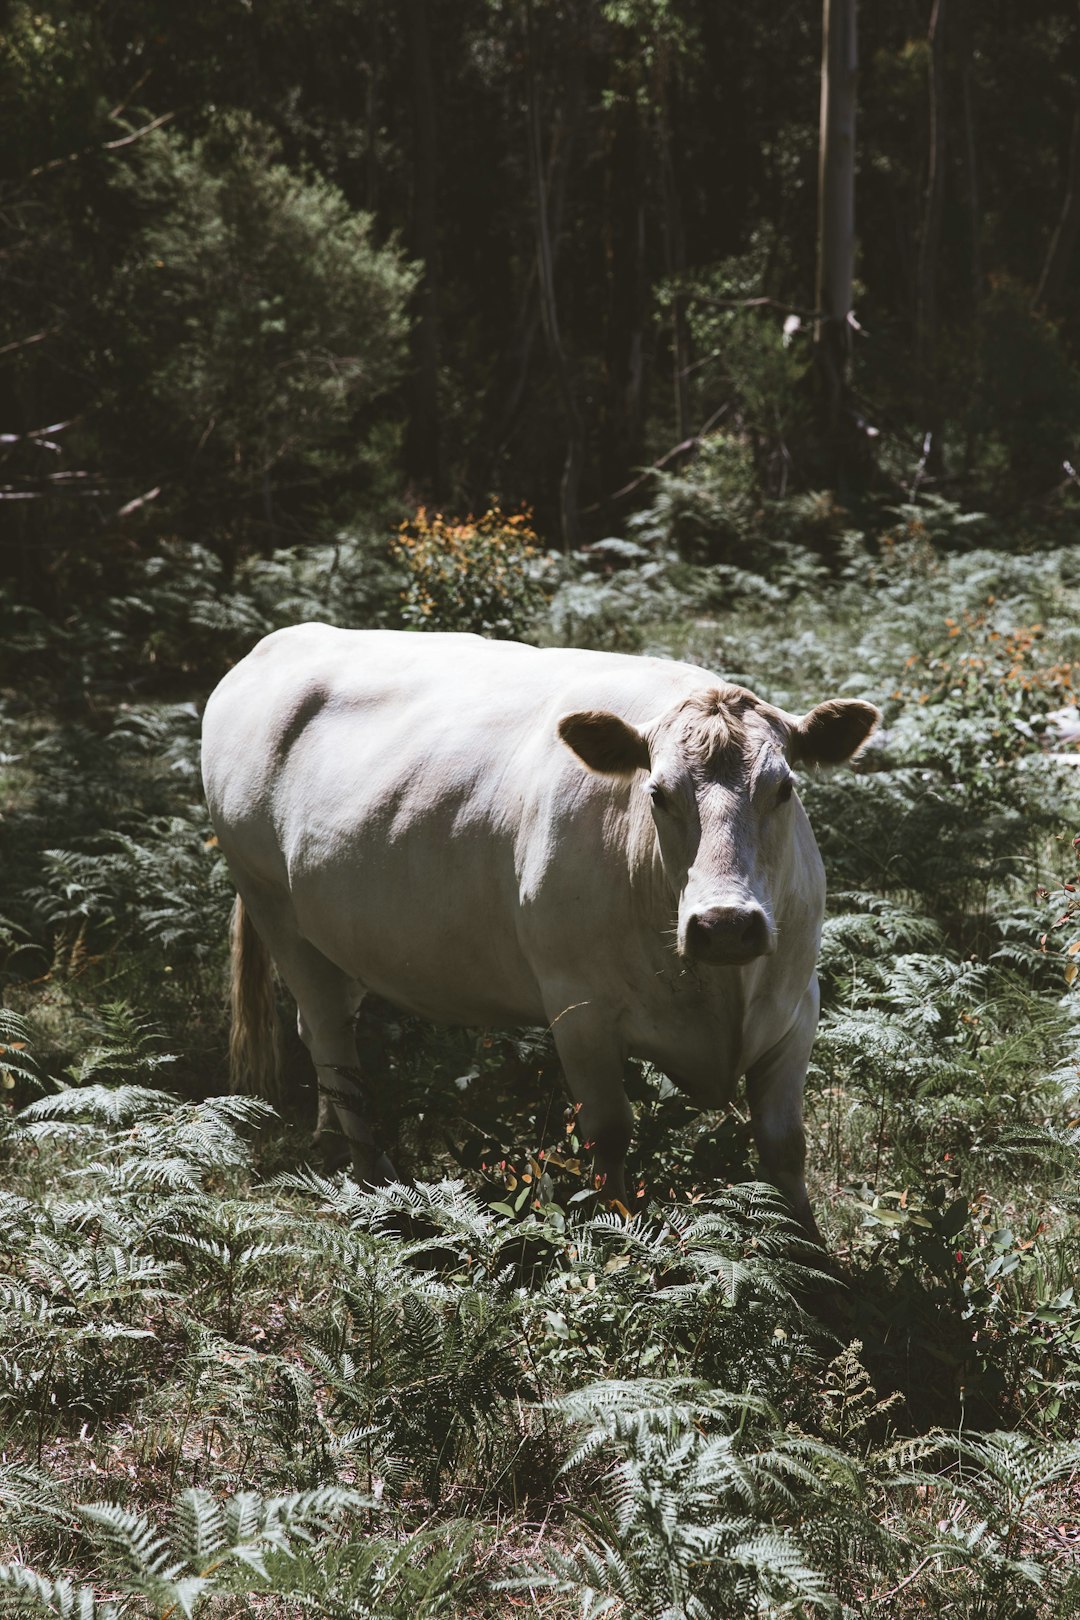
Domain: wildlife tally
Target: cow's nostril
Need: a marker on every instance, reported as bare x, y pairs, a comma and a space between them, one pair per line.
728, 933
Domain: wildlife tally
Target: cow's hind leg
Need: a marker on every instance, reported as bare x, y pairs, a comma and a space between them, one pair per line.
592, 1060
775, 1091
327, 1001
326, 1008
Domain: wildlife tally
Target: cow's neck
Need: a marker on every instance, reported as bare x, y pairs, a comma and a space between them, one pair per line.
655, 901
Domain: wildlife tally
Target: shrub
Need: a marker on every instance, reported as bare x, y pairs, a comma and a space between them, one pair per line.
259, 319
485, 574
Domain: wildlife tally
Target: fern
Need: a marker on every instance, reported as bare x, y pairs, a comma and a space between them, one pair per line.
241, 1546
998, 1483
30, 1593
421, 1576
850, 1403
16, 1061
127, 1050
688, 1522
149, 1138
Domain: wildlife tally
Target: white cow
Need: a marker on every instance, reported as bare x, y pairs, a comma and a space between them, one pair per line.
489, 833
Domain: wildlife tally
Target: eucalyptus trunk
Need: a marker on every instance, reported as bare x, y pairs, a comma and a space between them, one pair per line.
674, 254
926, 332
569, 505
422, 444
836, 230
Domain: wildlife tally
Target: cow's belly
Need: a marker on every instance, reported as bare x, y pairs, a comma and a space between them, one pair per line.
441, 943
451, 983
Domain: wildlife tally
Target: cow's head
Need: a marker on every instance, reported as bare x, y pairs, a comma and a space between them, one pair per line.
718, 775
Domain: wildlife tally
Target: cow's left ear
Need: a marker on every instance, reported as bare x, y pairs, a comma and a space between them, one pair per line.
833, 731
605, 743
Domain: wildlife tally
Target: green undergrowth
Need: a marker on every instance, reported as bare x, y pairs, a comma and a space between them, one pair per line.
215, 1382
232, 1383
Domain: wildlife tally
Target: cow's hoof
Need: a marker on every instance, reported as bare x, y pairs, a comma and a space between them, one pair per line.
332, 1150
384, 1171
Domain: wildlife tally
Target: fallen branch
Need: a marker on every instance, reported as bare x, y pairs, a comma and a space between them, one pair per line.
41, 434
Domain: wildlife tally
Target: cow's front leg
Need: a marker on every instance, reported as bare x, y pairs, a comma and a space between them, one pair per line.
775, 1091
592, 1060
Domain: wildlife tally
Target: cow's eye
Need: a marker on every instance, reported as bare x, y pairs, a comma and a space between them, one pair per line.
785, 790
658, 796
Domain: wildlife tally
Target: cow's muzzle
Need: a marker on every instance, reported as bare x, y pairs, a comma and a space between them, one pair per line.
729, 935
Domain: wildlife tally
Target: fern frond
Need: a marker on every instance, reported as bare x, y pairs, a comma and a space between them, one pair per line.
108, 1106
16, 1042
137, 1540
24, 1589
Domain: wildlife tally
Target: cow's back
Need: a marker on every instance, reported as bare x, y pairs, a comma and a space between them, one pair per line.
404, 790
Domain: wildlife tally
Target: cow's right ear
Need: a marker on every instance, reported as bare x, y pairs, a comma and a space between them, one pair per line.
605, 743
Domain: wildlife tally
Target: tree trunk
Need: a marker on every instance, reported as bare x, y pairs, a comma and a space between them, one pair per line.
930, 246
422, 439
971, 160
529, 318
962, 22
627, 292
674, 256
635, 366
836, 231
371, 117
1055, 272
571, 476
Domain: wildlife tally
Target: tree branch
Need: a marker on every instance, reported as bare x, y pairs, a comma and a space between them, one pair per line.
754, 303
106, 146
38, 433
24, 343
685, 448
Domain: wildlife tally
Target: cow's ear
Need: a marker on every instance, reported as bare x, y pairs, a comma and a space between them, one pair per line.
833, 731
605, 743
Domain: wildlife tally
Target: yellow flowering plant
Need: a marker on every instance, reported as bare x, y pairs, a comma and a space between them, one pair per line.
484, 574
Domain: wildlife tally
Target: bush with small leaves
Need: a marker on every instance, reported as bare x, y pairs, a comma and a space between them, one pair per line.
485, 575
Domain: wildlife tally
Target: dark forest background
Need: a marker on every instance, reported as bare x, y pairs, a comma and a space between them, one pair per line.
270, 270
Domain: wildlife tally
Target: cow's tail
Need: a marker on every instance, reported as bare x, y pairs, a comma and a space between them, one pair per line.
254, 1043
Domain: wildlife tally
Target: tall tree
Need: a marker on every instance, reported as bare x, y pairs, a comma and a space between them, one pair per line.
674, 240
971, 156
836, 226
569, 503
926, 322
422, 444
